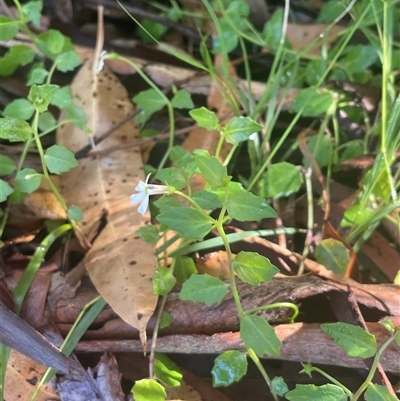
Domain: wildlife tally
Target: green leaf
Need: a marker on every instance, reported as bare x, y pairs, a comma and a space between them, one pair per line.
148, 390
279, 386
203, 288
330, 11
244, 206
205, 118
14, 129
253, 268
28, 180
377, 392
356, 215
273, 29
51, 43
182, 100
189, 223
68, 61
150, 101
166, 202
149, 234
315, 70
226, 40
239, 129
37, 74
76, 115
8, 28
41, 95
59, 159
167, 371
206, 200
16, 56
260, 336
163, 281
184, 268
333, 255
62, 97
172, 176
315, 102
5, 190
166, 320
32, 11
7, 165
229, 367
353, 339
20, 108
322, 149
359, 58
75, 213
307, 392
282, 179
47, 122
212, 170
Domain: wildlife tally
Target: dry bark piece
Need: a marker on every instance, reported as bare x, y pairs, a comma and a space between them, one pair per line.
196, 318
119, 263
302, 342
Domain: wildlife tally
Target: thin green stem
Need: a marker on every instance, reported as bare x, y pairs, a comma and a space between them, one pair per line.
276, 305
332, 379
264, 373
372, 371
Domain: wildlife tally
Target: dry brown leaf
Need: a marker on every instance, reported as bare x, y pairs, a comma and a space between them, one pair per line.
22, 375
300, 36
119, 263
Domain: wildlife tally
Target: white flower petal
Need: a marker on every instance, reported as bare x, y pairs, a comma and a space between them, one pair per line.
136, 198
143, 206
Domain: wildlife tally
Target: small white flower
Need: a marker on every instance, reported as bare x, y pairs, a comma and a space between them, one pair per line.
100, 65
144, 191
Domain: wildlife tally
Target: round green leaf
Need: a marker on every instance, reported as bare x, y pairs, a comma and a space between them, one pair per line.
205, 118
184, 268
182, 100
279, 386
148, 390
315, 102
51, 42
163, 281
189, 223
28, 180
8, 28
172, 176
32, 11
282, 179
353, 339
244, 206
203, 288
7, 165
62, 97
68, 61
358, 58
166, 202
206, 200
14, 129
253, 268
213, 171
5, 190
47, 122
307, 392
37, 74
229, 367
75, 213
149, 234
333, 255
239, 129
16, 56
260, 336
321, 147
20, 108
377, 392
59, 159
